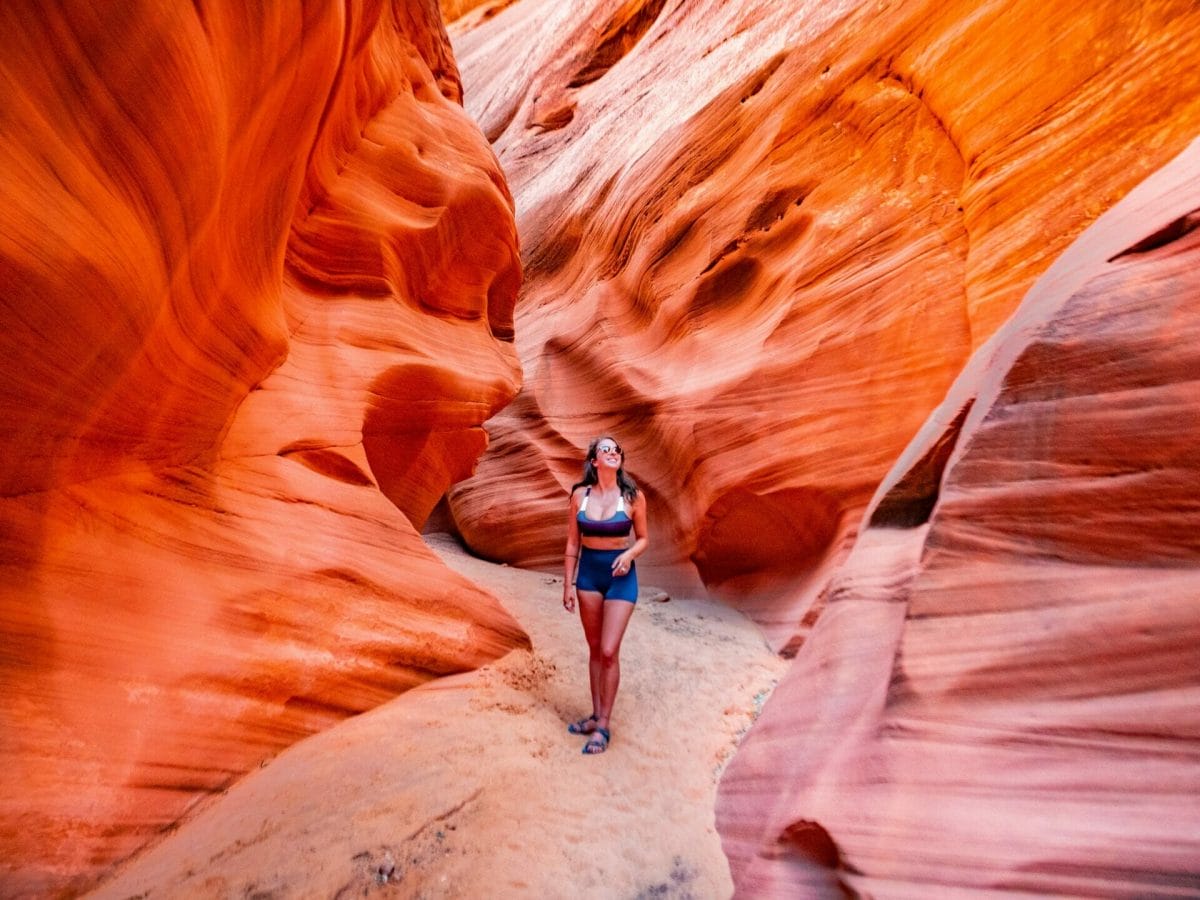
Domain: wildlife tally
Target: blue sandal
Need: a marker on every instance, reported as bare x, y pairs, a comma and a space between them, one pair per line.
596, 745
579, 727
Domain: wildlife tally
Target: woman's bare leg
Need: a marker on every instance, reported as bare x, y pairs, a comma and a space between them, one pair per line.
591, 614
616, 615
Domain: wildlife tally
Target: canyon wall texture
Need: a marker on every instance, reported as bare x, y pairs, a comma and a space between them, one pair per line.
1002, 692
257, 277
761, 240
456, 9
763, 244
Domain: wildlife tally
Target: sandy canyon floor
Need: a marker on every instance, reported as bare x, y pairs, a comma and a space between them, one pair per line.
470, 786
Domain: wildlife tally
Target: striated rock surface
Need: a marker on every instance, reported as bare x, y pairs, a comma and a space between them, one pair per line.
1001, 694
456, 9
257, 275
761, 240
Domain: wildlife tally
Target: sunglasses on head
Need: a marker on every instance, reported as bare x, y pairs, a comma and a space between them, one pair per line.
608, 448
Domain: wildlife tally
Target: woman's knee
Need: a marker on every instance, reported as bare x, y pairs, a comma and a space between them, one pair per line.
609, 655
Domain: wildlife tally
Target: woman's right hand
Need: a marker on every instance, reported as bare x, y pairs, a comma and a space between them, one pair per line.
569, 597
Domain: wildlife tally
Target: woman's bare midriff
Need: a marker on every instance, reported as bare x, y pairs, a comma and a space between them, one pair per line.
605, 543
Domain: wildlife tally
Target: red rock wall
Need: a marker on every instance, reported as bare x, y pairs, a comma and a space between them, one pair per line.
1001, 692
761, 240
456, 9
257, 271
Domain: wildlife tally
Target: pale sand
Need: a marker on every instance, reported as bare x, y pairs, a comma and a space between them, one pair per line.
470, 786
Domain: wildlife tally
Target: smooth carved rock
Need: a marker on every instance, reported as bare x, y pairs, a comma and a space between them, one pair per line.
1001, 692
258, 272
761, 240
456, 9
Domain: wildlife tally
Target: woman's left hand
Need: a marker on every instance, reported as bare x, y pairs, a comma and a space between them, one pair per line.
622, 563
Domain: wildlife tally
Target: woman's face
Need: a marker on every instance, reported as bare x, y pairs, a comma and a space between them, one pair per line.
608, 454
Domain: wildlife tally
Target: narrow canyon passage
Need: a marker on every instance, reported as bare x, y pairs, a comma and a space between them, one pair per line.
894, 307
470, 786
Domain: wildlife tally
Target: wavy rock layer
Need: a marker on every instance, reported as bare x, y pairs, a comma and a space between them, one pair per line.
258, 272
762, 239
1002, 691
456, 9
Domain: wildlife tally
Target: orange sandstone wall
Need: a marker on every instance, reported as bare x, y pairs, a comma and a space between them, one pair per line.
456, 9
1001, 695
761, 240
257, 277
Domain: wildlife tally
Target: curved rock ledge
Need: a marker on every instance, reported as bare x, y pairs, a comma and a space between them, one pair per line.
1001, 693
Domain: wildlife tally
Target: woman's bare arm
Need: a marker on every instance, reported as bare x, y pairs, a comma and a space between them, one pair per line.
571, 554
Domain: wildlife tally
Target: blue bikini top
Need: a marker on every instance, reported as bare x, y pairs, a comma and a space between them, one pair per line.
617, 525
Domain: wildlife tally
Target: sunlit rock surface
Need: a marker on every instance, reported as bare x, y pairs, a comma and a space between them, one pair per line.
455, 9
1004, 689
257, 272
761, 239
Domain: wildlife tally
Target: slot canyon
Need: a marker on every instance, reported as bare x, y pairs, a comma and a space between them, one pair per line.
310, 312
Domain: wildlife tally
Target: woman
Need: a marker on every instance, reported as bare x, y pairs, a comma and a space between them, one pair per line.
599, 571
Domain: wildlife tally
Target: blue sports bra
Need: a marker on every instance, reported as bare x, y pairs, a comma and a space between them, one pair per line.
617, 525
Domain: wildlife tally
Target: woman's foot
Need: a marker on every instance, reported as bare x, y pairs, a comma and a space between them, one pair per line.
598, 743
583, 726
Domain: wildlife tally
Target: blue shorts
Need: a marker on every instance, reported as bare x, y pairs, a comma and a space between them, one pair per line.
595, 574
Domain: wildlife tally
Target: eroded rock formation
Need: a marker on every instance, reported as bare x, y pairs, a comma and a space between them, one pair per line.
258, 270
1001, 692
762, 239
456, 9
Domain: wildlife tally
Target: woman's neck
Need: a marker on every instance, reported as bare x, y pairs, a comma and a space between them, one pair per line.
606, 479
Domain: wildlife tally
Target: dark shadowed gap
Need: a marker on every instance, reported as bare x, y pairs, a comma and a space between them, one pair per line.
911, 501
